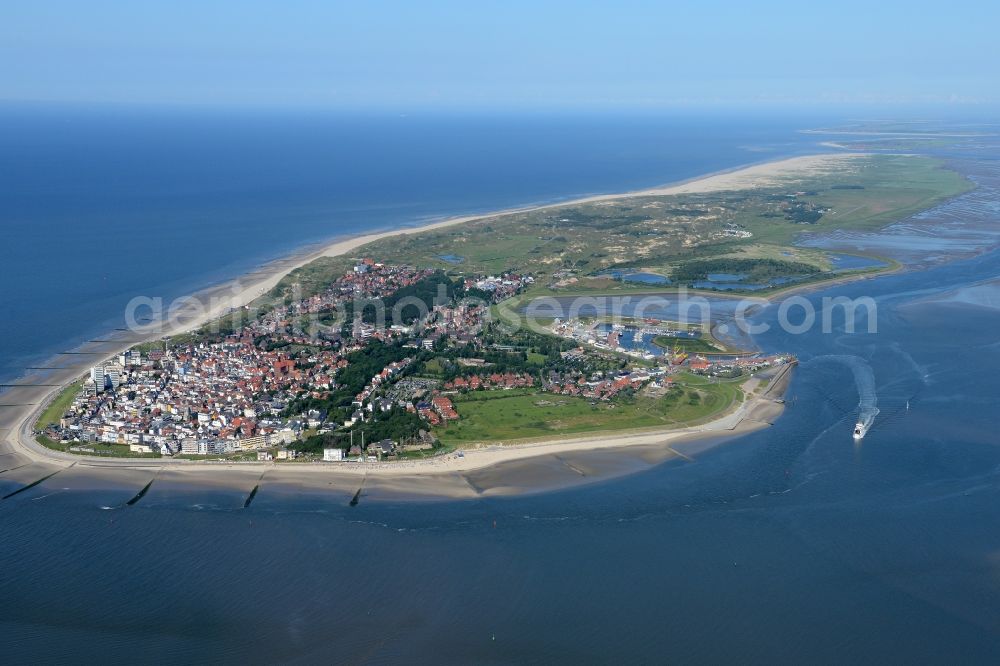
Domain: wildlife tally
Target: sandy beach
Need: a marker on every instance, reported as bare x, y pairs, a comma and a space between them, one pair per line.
21, 456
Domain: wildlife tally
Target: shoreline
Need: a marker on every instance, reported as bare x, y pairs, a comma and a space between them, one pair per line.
444, 476
17, 418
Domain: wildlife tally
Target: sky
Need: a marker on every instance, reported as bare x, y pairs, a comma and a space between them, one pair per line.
500, 55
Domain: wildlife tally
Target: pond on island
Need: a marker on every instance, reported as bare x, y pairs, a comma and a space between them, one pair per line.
734, 281
639, 276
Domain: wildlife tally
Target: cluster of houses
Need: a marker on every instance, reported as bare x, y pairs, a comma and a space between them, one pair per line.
734, 230
225, 397
368, 279
367, 397
198, 399
733, 366
441, 406
495, 380
603, 387
219, 398
370, 452
500, 288
461, 322
597, 386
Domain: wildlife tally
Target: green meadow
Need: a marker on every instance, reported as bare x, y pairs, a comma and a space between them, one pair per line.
502, 416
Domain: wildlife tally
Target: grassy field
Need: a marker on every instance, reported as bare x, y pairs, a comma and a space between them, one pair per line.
100, 449
894, 187
534, 358
686, 344
50, 443
511, 417
117, 451
58, 407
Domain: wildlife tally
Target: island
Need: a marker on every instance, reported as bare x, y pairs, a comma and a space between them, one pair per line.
416, 350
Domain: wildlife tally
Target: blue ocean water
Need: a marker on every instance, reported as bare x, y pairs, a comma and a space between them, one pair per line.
98, 205
793, 544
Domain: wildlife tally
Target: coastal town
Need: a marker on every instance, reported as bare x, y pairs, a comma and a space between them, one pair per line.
326, 378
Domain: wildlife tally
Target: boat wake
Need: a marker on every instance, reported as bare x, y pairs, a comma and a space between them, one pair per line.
864, 380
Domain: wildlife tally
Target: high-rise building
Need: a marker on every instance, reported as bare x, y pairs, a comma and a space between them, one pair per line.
97, 376
130, 357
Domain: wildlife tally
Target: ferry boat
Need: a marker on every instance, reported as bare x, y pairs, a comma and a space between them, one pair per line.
860, 429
